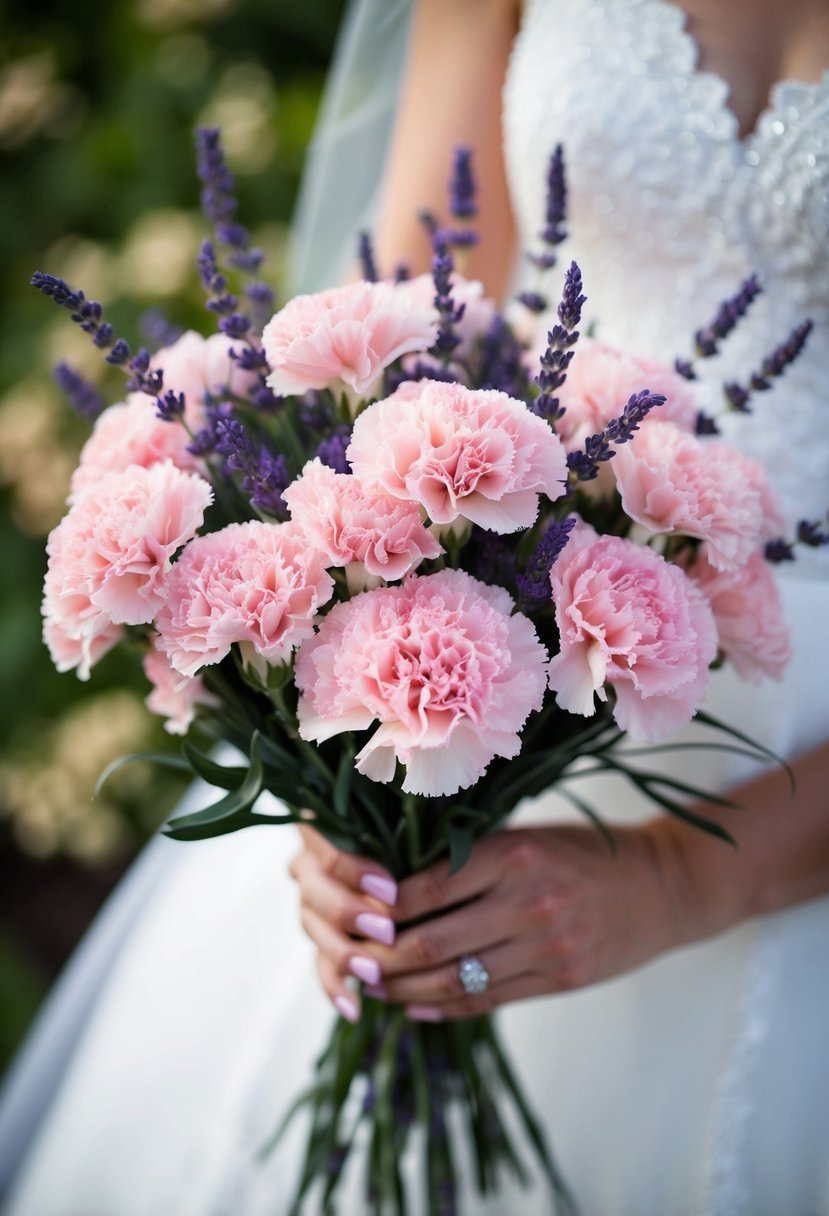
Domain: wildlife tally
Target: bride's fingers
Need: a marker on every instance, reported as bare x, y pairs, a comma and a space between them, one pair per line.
517, 989
442, 985
359, 873
345, 909
346, 1001
466, 930
434, 889
343, 956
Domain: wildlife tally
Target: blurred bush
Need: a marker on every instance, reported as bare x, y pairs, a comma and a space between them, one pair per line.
97, 112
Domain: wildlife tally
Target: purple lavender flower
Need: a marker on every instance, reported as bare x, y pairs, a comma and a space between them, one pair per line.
501, 360
584, 465
779, 550
170, 406
491, 558
204, 442
448, 314
264, 475
705, 424
553, 232
220, 299
534, 583
365, 252
144, 379
158, 329
84, 399
86, 313
560, 341
534, 300
684, 368
462, 186
727, 316
773, 366
332, 450
810, 533
217, 199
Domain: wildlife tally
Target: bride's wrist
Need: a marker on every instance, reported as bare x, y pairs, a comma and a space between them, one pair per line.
700, 880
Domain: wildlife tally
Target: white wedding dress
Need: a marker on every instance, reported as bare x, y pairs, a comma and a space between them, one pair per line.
698, 1084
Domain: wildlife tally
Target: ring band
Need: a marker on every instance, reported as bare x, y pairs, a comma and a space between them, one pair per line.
473, 975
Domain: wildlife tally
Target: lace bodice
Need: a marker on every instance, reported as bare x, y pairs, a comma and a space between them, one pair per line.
670, 209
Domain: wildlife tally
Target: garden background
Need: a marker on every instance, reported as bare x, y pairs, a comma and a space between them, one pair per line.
97, 111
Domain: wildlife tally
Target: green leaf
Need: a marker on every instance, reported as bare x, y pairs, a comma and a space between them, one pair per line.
591, 814
220, 775
715, 723
461, 839
342, 784
240, 799
223, 827
165, 759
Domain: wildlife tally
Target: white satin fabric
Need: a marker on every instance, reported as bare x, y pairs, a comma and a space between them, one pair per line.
698, 1084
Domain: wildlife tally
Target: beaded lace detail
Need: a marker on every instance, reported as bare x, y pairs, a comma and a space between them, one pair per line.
670, 209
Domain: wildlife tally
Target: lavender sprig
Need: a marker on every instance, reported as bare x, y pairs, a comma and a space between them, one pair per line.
501, 360
144, 379
220, 300
264, 475
463, 204
731, 311
553, 232
559, 352
584, 465
448, 314
365, 252
86, 313
217, 198
219, 205
81, 395
332, 450
158, 329
534, 583
810, 532
773, 366
728, 314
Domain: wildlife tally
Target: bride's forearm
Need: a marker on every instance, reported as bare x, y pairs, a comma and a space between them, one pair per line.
781, 858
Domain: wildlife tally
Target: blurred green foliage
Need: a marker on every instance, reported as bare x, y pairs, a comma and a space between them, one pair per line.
97, 184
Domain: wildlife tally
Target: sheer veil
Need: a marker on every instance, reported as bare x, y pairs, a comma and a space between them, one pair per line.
340, 187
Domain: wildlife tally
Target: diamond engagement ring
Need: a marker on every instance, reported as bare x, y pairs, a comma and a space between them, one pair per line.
473, 975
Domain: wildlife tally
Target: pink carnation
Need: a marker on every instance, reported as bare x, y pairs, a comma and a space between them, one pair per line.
443, 667
257, 584
600, 382
130, 433
673, 482
346, 334
748, 613
110, 558
629, 618
174, 696
351, 522
477, 455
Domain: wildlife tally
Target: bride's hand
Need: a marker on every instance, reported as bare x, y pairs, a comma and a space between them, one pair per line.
546, 909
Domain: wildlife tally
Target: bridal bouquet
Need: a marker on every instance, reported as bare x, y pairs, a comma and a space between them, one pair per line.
413, 569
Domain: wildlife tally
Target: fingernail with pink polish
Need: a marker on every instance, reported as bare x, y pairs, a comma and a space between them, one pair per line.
424, 1013
366, 969
379, 928
348, 1008
379, 991
384, 889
